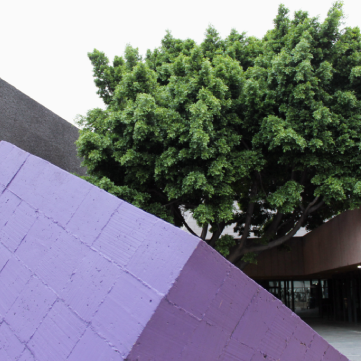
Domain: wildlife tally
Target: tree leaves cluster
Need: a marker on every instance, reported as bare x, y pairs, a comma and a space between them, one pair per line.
261, 133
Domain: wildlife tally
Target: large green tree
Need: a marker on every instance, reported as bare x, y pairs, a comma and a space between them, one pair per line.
261, 133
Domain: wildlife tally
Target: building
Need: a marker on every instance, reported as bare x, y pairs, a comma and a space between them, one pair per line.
319, 275
37, 130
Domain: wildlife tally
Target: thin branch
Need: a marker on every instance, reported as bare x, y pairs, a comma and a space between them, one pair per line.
316, 207
162, 195
245, 144
303, 177
170, 203
288, 221
189, 229
261, 183
189, 205
180, 216
272, 229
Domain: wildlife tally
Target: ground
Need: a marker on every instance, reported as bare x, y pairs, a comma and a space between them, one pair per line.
344, 337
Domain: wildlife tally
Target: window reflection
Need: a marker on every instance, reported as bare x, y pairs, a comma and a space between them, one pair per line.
302, 296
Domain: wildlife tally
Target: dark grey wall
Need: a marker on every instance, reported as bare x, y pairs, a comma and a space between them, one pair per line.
37, 130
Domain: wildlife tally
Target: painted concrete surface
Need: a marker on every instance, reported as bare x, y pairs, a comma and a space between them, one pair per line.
344, 337
86, 276
80, 272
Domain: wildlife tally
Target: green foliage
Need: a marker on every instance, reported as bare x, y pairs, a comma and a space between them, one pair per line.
250, 257
232, 125
287, 197
224, 243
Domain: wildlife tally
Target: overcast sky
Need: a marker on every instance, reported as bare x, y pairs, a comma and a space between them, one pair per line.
44, 44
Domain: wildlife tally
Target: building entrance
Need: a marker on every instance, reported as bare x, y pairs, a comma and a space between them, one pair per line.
307, 298
337, 298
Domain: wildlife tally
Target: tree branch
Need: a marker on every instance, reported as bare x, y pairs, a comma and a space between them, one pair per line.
303, 177
286, 237
245, 144
271, 230
261, 183
290, 221
180, 216
316, 207
189, 205
216, 234
170, 203
204, 231
162, 195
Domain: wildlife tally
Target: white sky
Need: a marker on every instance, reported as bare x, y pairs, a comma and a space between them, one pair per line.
44, 44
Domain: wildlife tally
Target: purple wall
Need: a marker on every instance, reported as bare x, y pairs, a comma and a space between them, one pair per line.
215, 312
86, 276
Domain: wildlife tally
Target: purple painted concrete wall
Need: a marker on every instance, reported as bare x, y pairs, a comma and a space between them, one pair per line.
86, 276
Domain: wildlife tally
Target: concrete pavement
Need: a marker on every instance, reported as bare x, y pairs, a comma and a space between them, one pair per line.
344, 337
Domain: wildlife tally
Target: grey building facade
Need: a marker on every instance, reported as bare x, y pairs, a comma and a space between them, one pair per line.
34, 128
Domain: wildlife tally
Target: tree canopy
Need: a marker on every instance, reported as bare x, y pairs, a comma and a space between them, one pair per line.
261, 133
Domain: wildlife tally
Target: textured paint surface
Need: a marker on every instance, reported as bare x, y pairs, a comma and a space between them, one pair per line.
215, 312
86, 276
80, 273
